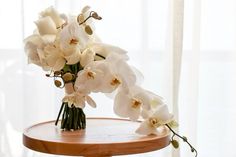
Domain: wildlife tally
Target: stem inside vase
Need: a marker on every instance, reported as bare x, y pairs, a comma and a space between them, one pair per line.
72, 118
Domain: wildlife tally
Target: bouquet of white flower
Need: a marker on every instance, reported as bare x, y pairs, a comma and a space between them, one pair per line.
68, 48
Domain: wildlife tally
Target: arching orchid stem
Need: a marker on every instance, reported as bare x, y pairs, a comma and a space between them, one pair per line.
100, 56
92, 14
183, 138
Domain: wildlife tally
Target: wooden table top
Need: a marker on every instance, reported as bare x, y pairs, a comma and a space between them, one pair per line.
102, 137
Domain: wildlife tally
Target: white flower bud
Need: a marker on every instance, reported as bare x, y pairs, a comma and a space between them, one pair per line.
85, 9
46, 26
55, 16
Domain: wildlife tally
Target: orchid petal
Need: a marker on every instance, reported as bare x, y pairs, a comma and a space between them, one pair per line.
60, 63
146, 129
138, 74
91, 102
121, 102
87, 57
134, 114
74, 58
49, 38
163, 114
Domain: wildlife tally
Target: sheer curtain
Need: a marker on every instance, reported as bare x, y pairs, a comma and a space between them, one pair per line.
185, 50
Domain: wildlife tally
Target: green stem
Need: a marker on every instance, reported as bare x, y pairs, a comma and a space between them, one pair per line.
64, 121
183, 138
73, 118
79, 120
83, 119
59, 114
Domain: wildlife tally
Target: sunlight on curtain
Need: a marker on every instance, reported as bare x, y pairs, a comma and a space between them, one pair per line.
207, 81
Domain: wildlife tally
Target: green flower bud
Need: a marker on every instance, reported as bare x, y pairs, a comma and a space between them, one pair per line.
67, 77
88, 30
56, 73
96, 16
80, 18
192, 149
57, 83
175, 143
185, 139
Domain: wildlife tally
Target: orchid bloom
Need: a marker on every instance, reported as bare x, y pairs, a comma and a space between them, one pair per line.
88, 80
160, 117
79, 100
130, 102
73, 36
119, 67
114, 71
108, 80
108, 74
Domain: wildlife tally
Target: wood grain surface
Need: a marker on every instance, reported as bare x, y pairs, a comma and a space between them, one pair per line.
102, 137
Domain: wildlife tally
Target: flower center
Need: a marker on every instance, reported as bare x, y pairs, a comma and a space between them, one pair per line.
115, 82
154, 122
73, 41
136, 103
90, 75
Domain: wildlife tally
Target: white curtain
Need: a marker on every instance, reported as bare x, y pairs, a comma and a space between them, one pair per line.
185, 49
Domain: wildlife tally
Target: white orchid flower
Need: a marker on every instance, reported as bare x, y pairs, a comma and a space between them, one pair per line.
79, 100
73, 36
108, 81
88, 80
114, 68
160, 117
97, 77
120, 68
130, 102
155, 101
54, 15
113, 72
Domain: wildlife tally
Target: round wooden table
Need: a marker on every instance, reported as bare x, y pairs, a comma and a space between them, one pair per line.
102, 137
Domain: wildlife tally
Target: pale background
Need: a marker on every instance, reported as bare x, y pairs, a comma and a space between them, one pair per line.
151, 30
